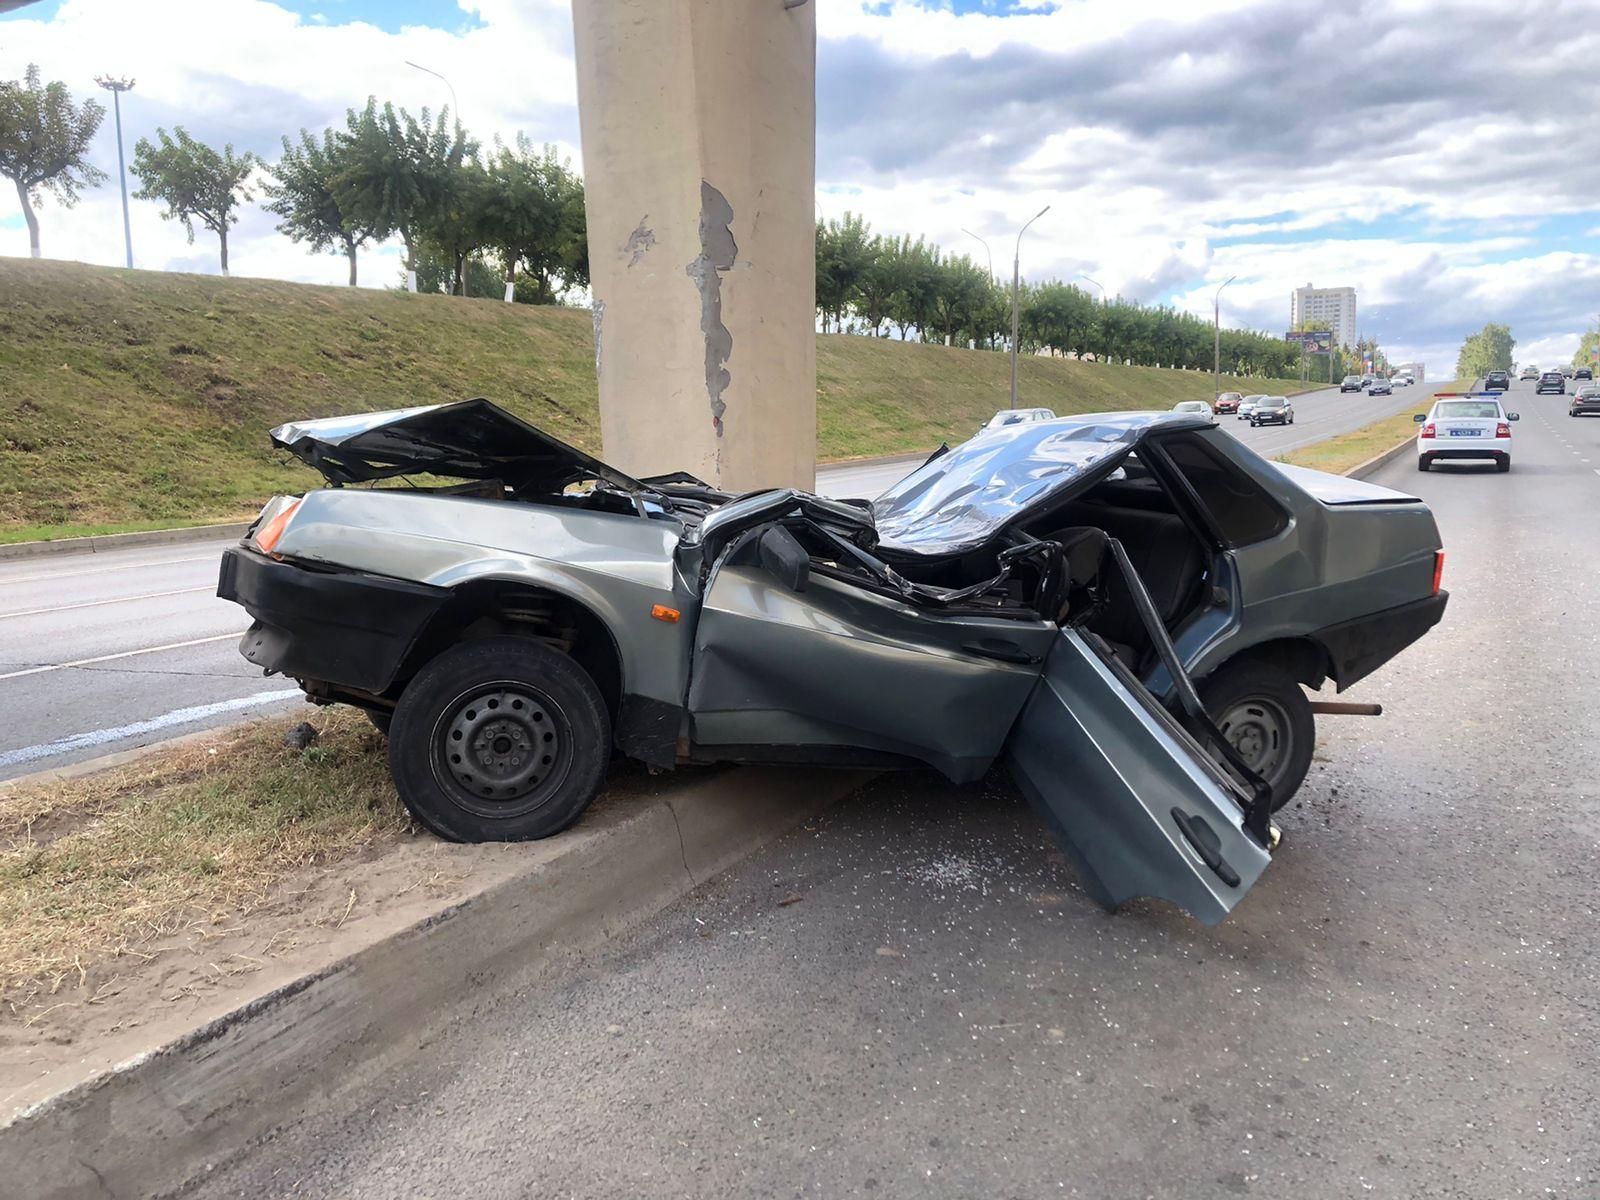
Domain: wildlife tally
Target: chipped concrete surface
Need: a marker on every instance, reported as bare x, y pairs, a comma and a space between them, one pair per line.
639, 242
718, 251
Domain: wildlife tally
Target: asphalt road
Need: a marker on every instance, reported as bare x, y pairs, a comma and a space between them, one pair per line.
105, 652
1405, 1006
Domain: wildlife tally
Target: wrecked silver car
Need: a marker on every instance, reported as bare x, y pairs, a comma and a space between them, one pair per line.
1122, 606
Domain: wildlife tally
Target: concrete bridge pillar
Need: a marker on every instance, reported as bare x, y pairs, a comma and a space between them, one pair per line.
699, 157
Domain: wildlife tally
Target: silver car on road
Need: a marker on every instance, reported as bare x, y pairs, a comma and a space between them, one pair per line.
1123, 607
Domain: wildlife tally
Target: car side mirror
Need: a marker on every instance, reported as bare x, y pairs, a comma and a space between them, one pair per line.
1418, 418
1513, 416
784, 558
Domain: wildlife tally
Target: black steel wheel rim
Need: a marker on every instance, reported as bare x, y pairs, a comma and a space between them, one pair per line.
501, 749
1259, 730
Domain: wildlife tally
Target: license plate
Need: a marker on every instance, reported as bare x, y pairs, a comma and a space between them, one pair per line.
1465, 432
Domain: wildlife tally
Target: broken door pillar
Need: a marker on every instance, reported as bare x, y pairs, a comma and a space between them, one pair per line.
699, 163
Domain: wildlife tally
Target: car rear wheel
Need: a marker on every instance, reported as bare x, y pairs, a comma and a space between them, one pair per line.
1502, 465
1265, 716
499, 740
1423, 462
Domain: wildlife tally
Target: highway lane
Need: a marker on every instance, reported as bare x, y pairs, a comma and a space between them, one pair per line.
103, 652
1404, 1006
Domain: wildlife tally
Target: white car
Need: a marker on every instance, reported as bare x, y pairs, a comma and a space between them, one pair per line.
1192, 406
1018, 416
1249, 405
1466, 425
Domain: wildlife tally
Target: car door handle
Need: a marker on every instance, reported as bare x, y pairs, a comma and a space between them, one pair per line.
1204, 840
1004, 651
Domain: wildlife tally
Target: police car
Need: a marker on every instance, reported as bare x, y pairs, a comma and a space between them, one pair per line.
1464, 425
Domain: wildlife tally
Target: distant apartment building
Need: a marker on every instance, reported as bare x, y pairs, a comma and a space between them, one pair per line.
1334, 306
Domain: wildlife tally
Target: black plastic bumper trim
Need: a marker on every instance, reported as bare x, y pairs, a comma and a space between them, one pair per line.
344, 628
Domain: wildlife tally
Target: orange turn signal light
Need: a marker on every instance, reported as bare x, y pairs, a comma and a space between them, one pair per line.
662, 613
267, 539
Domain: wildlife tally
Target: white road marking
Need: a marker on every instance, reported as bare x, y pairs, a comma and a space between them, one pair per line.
142, 566
178, 716
35, 612
85, 662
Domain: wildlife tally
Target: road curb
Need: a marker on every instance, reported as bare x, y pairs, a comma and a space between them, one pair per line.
1377, 462
162, 1117
122, 541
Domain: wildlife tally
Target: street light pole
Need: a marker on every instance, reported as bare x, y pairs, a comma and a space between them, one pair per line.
986, 252
116, 87
1016, 292
1096, 282
1216, 341
454, 104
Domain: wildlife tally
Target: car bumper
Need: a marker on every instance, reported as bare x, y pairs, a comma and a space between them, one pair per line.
1488, 448
1587, 406
1549, 389
1269, 420
343, 628
1359, 647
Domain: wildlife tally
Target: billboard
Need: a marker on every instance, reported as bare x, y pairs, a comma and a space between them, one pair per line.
1312, 341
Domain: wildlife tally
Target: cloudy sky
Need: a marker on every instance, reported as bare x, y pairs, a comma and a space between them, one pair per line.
1441, 156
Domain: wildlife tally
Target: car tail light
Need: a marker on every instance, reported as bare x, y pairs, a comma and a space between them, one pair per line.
1502, 430
272, 531
1438, 570
1427, 430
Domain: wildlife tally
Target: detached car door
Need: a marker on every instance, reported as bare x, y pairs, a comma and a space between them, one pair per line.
839, 673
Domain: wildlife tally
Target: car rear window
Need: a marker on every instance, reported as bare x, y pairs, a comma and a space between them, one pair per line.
1459, 409
1242, 509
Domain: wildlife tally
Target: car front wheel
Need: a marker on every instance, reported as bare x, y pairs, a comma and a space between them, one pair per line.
499, 740
1265, 716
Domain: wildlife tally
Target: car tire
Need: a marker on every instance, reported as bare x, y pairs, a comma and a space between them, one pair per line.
1502, 464
1423, 462
499, 739
1264, 714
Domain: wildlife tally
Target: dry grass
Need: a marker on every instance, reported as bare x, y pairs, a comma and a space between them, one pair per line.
116, 863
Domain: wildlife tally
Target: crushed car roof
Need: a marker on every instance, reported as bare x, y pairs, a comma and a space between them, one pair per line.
959, 500
470, 439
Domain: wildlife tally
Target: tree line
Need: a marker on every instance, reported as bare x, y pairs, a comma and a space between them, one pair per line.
884, 285
474, 219
471, 218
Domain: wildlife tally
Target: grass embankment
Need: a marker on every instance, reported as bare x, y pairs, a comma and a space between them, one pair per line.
1339, 454
134, 399
119, 862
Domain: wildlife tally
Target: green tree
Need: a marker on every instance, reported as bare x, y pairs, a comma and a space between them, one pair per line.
960, 289
44, 138
1490, 349
1587, 345
844, 251
398, 171
194, 181
303, 195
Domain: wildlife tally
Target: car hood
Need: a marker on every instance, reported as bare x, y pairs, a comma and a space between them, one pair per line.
959, 500
471, 439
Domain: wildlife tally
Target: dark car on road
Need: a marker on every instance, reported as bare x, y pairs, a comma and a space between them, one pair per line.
1125, 608
1585, 400
1350, 383
1273, 410
1583, 373
1497, 381
1552, 381
1380, 387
